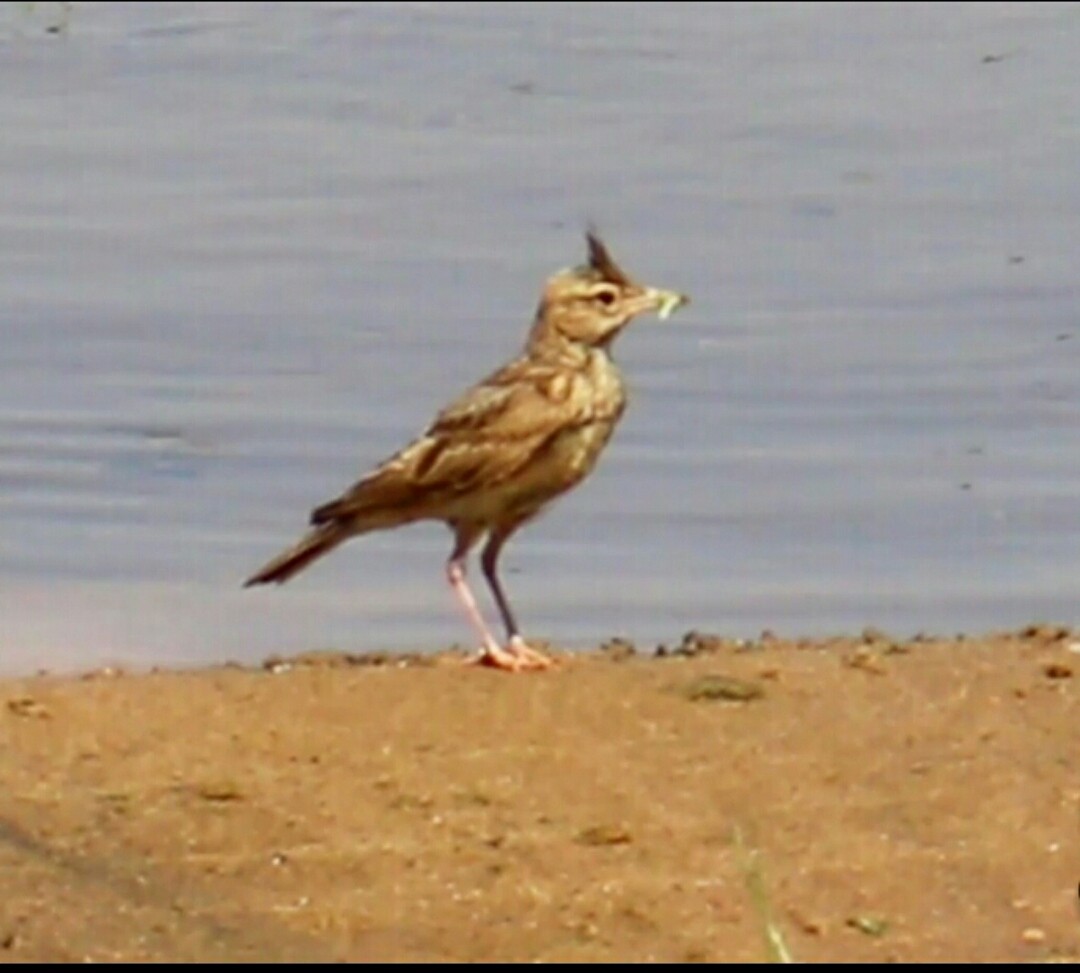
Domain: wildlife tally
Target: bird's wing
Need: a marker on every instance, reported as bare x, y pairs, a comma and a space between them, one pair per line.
479, 440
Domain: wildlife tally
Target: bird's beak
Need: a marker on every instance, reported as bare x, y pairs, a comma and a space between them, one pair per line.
665, 303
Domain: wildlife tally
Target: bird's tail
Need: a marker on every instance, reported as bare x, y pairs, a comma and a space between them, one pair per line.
310, 547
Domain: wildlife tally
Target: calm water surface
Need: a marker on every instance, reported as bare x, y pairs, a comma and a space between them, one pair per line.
246, 250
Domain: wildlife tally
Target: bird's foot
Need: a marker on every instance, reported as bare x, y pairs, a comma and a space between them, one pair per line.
516, 657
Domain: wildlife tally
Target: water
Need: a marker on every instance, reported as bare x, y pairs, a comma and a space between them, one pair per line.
246, 251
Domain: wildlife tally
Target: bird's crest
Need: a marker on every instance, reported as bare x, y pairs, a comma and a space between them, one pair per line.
601, 261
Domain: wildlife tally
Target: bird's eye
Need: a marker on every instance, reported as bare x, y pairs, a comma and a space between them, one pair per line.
605, 297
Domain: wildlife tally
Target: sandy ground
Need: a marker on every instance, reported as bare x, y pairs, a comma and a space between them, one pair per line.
859, 799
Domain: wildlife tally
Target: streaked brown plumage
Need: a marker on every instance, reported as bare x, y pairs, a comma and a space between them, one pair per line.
510, 445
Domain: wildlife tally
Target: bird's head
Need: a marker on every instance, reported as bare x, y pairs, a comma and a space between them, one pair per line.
589, 305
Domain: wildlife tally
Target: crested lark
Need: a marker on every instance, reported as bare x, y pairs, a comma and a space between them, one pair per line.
495, 457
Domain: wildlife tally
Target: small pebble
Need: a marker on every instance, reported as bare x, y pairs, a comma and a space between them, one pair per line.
604, 834
724, 688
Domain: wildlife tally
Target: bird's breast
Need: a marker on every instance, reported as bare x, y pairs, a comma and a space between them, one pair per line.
601, 399
604, 387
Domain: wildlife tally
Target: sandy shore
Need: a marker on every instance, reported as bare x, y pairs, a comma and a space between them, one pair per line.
860, 799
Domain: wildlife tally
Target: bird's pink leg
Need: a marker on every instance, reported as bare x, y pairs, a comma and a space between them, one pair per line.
455, 574
492, 654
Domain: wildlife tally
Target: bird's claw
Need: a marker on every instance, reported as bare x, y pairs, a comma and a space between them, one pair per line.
516, 657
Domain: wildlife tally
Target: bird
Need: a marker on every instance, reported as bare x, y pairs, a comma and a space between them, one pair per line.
500, 453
